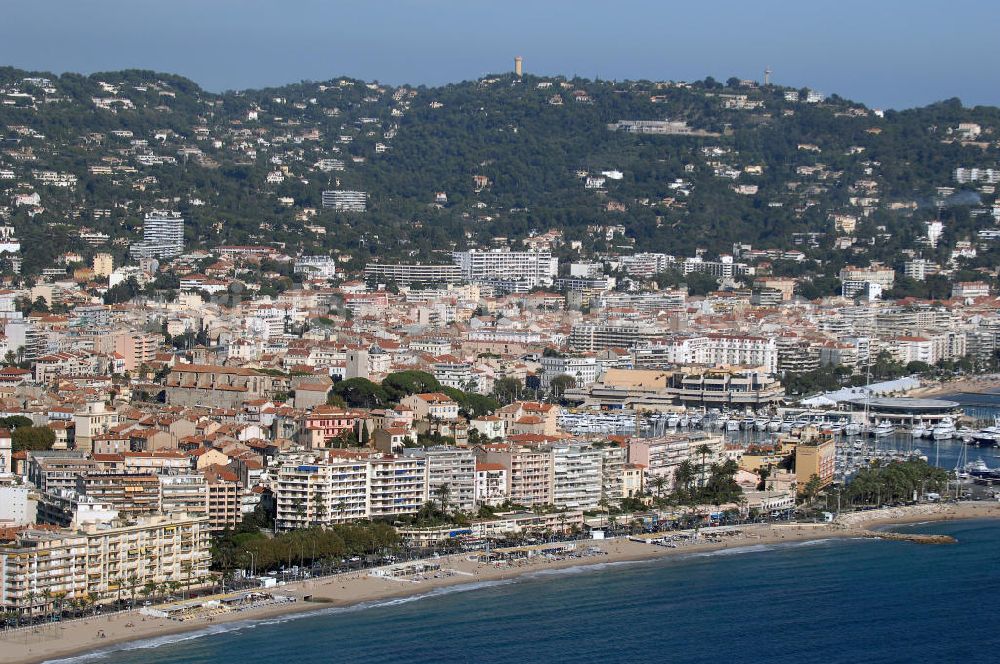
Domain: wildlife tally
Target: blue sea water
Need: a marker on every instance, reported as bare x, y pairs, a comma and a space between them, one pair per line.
830, 601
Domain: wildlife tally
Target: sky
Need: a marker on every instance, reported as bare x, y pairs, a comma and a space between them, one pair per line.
884, 53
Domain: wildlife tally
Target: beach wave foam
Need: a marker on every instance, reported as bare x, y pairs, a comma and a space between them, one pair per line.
250, 623
735, 551
586, 567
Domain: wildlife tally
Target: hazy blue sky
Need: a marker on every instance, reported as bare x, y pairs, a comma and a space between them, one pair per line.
889, 53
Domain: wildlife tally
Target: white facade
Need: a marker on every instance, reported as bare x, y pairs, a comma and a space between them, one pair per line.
491, 484
742, 351
346, 201
533, 268
396, 485
577, 477
15, 507
317, 267
321, 493
584, 370
451, 475
162, 236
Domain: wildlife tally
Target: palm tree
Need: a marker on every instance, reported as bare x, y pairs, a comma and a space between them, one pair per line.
703, 451
811, 489
117, 583
443, 492
59, 598
47, 603
684, 477
149, 589
133, 584
186, 568
658, 482
32, 596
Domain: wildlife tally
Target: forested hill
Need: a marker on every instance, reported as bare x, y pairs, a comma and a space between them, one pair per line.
743, 163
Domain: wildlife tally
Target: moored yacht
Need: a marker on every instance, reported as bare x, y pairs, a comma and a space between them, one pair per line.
883, 428
944, 429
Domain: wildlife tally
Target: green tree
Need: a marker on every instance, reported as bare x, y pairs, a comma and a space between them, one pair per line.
32, 438
559, 384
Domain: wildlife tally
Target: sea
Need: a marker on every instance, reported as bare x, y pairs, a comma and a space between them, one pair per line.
835, 600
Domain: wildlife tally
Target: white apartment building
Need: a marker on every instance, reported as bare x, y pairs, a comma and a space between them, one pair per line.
186, 493
345, 201
15, 507
577, 478
103, 561
491, 484
316, 267
613, 460
854, 279
672, 351
162, 236
645, 265
431, 406
665, 300
405, 274
986, 175
454, 374
591, 337
919, 269
529, 268
935, 229
451, 475
970, 289
93, 420
324, 493
584, 370
742, 351
930, 348
396, 485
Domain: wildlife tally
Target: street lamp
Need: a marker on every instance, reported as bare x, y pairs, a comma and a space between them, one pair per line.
253, 567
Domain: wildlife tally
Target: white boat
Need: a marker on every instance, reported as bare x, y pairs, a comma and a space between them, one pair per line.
853, 429
918, 431
990, 436
944, 429
673, 421
732, 425
977, 467
774, 425
684, 421
760, 424
884, 428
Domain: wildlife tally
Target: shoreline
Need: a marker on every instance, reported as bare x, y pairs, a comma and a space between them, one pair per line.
79, 637
986, 383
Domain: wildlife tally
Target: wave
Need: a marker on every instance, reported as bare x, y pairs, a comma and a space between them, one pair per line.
808, 542
735, 551
251, 623
584, 568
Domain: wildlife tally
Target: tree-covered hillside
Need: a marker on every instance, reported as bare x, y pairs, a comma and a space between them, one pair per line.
755, 165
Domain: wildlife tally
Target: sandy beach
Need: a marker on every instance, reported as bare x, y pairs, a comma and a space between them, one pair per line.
931, 389
80, 636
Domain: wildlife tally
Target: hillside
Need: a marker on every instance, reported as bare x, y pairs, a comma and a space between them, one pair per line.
751, 164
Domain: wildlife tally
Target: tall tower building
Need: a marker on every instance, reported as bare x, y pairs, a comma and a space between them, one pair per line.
519, 65
162, 236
